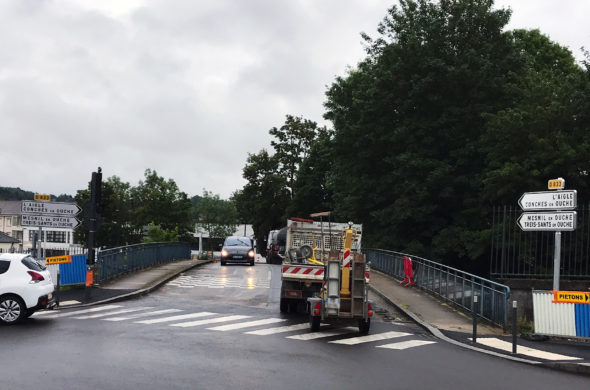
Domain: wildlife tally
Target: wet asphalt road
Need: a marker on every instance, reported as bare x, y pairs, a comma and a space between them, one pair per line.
199, 332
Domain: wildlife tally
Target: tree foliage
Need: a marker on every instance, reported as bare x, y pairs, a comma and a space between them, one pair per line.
292, 143
12, 193
160, 201
262, 202
447, 115
271, 193
155, 233
216, 216
126, 212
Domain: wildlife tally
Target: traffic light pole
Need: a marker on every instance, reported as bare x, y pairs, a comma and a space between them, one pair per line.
92, 218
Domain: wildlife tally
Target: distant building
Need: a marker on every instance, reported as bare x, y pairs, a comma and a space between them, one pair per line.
54, 241
9, 244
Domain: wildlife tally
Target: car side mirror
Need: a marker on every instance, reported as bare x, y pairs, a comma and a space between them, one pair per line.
220, 245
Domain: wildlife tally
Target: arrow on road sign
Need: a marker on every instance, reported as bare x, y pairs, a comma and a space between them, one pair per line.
548, 221
548, 200
49, 208
52, 221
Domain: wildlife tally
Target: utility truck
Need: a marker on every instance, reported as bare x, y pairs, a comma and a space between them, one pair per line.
324, 270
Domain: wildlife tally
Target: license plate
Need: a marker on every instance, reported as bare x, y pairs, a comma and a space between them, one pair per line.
237, 257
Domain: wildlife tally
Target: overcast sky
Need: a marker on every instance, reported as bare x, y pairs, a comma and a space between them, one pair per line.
184, 87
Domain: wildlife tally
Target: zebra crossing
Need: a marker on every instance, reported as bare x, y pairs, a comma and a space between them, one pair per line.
216, 281
244, 324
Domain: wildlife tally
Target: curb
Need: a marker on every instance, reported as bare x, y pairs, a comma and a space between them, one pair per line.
154, 286
438, 334
575, 368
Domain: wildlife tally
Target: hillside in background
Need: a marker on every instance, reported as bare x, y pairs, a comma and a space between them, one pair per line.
11, 193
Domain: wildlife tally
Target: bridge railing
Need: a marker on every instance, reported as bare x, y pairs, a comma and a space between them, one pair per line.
450, 284
114, 262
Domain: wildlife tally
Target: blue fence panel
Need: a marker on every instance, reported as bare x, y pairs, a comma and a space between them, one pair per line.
74, 272
582, 320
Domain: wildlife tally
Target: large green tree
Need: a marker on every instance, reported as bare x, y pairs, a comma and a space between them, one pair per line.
545, 133
263, 201
312, 190
448, 115
292, 143
408, 121
160, 201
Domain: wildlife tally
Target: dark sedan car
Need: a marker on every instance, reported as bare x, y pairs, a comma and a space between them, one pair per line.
237, 250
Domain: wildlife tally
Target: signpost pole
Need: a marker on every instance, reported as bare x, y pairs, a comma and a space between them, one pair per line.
556, 261
39, 239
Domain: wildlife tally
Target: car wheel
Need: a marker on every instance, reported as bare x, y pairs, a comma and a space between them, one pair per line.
222, 262
252, 263
12, 310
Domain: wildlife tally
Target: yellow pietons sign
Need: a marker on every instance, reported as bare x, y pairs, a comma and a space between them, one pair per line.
58, 260
571, 297
42, 197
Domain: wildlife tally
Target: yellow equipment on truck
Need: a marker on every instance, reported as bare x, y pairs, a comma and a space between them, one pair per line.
324, 269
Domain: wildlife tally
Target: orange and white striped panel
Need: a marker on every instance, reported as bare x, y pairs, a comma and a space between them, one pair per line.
303, 272
346, 258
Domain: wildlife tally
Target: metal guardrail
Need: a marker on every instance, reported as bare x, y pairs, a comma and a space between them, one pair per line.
452, 285
529, 254
114, 262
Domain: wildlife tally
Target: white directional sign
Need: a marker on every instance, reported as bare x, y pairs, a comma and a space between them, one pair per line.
52, 221
549, 200
49, 208
548, 221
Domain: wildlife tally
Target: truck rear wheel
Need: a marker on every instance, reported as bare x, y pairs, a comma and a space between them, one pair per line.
364, 325
314, 323
284, 305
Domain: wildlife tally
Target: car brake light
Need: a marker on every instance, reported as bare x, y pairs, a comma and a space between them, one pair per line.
370, 310
35, 277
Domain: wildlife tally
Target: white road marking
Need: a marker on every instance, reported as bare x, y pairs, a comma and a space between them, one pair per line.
322, 334
76, 312
68, 303
406, 344
370, 338
280, 329
110, 313
506, 346
241, 325
45, 312
148, 314
176, 318
209, 321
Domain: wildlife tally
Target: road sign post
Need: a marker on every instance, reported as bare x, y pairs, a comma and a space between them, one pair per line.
549, 200
41, 213
542, 219
548, 221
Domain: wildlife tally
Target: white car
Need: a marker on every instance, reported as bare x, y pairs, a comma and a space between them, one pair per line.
25, 287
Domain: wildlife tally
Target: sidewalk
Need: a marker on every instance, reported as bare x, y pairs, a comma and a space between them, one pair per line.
448, 324
127, 286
